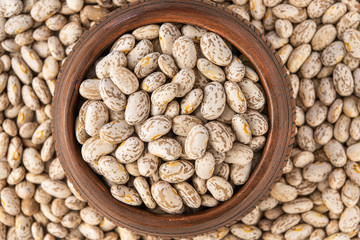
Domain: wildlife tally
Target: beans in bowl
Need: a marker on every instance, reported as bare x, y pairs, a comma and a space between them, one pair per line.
173, 118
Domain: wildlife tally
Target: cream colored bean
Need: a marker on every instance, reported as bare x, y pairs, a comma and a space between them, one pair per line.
4, 147
130, 150
350, 193
284, 223
337, 178
240, 10
341, 129
25, 190
196, 142
124, 79
311, 66
41, 33
184, 52
245, 231
74, 204
168, 33
199, 184
56, 188
176, 171
335, 153
303, 33
334, 13
167, 65
298, 57
147, 65
125, 43
352, 42
58, 207
91, 232
166, 197
219, 136
32, 161
258, 124
332, 200
215, 49
205, 166
210, 70
236, 98
10, 201
214, 99
335, 110
300, 231
56, 48
138, 108
143, 48
70, 33
298, 205
352, 152
284, 52
18, 24
315, 219
29, 97
90, 216
50, 68
16, 175
349, 21
154, 128
71, 220
143, 189
241, 129
113, 170
165, 94
111, 95
56, 22
219, 188
115, 132
166, 148
194, 32
239, 154
283, 28
182, 124
89, 89
254, 97
185, 79
21, 70
317, 172
9, 127
172, 110
350, 106
126, 195
42, 10
323, 37
146, 32
94, 148
191, 101
285, 11
326, 91
42, 132
239, 174
153, 81
23, 226
349, 219
41, 90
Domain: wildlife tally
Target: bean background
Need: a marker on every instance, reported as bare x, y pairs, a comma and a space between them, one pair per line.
318, 194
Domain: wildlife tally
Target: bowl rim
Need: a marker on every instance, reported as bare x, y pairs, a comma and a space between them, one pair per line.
249, 41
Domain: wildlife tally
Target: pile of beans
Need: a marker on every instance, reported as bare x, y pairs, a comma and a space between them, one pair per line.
197, 102
318, 195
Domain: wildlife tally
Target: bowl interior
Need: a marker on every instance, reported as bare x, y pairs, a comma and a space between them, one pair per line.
248, 41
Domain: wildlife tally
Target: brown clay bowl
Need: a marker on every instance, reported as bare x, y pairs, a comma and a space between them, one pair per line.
243, 36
